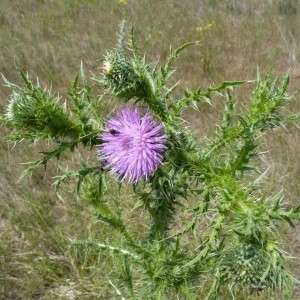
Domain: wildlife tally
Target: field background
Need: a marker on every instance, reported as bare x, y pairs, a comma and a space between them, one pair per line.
49, 39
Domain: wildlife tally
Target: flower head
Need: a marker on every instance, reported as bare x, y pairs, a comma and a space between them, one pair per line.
132, 145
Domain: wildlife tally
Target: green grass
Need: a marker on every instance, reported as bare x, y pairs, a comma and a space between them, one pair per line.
50, 39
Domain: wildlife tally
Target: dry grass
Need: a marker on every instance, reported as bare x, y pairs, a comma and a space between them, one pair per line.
50, 39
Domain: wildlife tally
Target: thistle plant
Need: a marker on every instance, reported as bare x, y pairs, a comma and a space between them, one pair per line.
144, 147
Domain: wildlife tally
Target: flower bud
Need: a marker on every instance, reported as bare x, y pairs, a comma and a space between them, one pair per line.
120, 78
246, 264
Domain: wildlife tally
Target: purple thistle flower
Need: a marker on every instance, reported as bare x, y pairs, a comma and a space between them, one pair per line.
132, 145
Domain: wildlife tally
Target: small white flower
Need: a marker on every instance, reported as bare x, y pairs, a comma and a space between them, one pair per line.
106, 68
